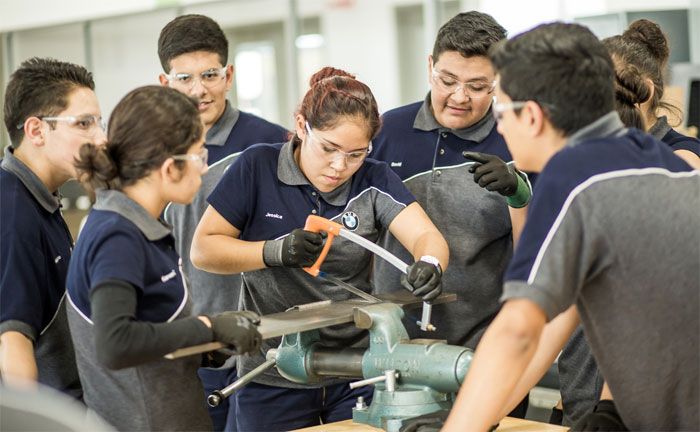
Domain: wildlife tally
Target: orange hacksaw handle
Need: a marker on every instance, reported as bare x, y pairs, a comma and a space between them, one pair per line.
317, 224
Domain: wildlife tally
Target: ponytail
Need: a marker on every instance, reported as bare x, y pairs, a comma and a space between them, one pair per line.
96, 169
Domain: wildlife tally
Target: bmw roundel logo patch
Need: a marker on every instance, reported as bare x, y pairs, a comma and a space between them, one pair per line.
350, 220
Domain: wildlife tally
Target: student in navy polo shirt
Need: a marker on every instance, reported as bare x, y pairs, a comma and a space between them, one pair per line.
50, 110
468, 200
613, 223
640, 56
323, 170
643, 49
193, 51
129, 302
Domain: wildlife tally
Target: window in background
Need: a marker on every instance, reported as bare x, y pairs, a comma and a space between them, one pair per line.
256, 80
310, 45
413, 54
259, 57
260, 66
125, 54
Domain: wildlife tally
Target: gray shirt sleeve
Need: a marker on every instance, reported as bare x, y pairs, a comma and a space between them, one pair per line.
573, 252
20, 327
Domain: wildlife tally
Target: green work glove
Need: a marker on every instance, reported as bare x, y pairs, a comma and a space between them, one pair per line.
493, 174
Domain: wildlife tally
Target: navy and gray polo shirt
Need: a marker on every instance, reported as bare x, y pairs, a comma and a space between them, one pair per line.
271, 198
120, 240
475, 222
613, 228
236, 130
231, 134
661, 130
35, 249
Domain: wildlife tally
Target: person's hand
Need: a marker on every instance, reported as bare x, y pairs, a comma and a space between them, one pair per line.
491, 173
237, 329
423, 279
604, 417
299, 249
425, 423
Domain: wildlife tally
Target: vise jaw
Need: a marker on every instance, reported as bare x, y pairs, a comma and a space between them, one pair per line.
411, 377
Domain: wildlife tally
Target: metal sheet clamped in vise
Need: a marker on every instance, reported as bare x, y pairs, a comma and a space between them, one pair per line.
411, 377
333, 229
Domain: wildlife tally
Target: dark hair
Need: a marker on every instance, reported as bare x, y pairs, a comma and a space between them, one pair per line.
190, 33
563, 67
645, 46
146, 127
335, 93
40, 87
630, 91
470, 33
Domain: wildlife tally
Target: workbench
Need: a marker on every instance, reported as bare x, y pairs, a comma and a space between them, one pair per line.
508, 424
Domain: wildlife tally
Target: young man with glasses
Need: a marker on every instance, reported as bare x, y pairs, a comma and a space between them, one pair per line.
193, 51
606, 244
468, 200
50, 111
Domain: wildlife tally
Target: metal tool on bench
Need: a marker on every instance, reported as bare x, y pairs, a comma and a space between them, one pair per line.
411, 377
318, 224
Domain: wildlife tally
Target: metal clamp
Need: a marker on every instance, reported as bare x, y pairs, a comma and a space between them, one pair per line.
389, 377
424, 322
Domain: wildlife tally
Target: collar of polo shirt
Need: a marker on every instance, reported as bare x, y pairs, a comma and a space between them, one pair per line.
289, 173
607, 125
117, 202
219, 132
425, 121
31, 181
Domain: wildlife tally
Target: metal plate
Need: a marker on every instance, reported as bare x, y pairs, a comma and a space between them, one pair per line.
313, 316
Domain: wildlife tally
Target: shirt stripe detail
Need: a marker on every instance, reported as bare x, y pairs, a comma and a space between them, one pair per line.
583, 186
185, 293
77, 309
438, 168
58, 309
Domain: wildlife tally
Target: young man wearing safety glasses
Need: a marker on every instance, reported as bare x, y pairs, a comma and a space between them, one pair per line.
50, 111
193, 51
612, 242
470, 200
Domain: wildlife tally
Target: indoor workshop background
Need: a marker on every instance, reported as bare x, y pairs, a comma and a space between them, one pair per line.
275, 45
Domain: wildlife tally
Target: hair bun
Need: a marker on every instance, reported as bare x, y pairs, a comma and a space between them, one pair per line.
649, 34
328, 72
95, 166
630, 87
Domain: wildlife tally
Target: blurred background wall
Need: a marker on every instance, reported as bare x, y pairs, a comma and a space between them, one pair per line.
275, 45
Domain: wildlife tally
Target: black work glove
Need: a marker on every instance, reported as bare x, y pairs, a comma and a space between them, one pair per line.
556, 417
425, 423
423, 279
237, 329
491, 173
299, 249
432, 422
604, 417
